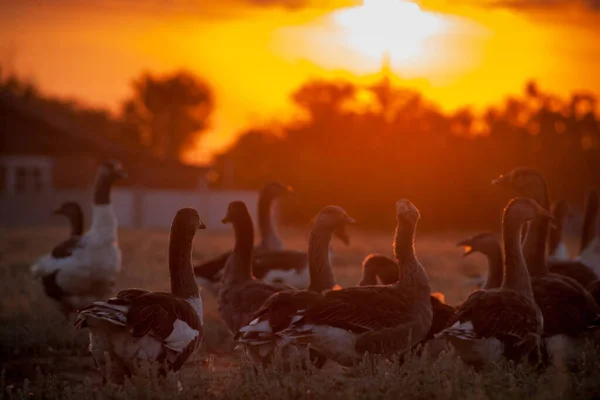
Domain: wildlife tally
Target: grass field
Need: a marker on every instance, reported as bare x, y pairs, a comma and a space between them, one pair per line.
43, 356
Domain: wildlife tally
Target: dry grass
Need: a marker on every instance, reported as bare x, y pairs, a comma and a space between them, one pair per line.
42, 356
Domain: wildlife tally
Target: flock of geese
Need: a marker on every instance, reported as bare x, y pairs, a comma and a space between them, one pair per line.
287, 302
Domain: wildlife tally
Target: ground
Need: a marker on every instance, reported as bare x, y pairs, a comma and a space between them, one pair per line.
43, 356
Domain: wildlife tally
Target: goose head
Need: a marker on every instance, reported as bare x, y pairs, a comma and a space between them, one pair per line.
526, 182
275, 189
236, 211
187, 222
485, 243
406, 211
69, 209
524, 209
111, 171
332, 218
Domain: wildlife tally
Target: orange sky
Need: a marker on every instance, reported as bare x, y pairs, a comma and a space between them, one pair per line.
254, 53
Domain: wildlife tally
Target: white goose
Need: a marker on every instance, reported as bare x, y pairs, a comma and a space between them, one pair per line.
139, 325
346, 323
80, 271
276, 314
492, 321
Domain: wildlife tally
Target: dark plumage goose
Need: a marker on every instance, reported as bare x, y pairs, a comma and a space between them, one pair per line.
139, 325
344, 324
271, 263
79, 271
557, 246
278, 312
490, 320
240, 294
565, 304
590, 243
488, 244
379, 269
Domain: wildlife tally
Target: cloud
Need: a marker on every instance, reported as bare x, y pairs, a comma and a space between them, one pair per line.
541, 5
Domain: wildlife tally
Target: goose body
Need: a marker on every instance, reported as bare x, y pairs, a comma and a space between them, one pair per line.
568, 309
271, 263
138, 325
493, 320
84, 268
346, 323
280, 309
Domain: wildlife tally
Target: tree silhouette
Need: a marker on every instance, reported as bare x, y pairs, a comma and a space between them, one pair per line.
168, 112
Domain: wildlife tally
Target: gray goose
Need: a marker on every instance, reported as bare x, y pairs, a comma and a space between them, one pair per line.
557, 247
277, 313
240, 294
568, 309
346, 323
590, 243
139, 325
379, 269
84, 268
492, 321
488, 244
271, 263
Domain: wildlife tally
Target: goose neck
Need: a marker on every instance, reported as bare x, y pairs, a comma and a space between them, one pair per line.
404, 246
495, 268
183, 283
534, 246
516, 275
590, 224
319, 265
239, 265
102, 189
268, 232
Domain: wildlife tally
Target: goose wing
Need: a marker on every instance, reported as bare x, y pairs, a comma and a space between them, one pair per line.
280, 259
576, 270
494, 313
359, 309
566, 306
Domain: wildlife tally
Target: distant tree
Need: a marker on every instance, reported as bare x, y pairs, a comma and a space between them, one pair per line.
168, 112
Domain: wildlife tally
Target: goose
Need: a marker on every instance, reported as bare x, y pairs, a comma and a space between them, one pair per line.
276, 314
272, 264
377, 268
81, 271
488, 244
346, 323
139, 325
557, 246
491, 321
590, 243
240, 294
530, 183
565, 304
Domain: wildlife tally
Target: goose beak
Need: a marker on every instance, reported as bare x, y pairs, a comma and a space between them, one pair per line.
350, 220
467, 245
289, 189
502, 179
201, 226
342, 234
121, 174
57, 211
226, 220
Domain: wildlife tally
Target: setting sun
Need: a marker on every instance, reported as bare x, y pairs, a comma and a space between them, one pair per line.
396, 27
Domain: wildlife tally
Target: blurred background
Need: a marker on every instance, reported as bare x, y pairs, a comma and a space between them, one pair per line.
356, 103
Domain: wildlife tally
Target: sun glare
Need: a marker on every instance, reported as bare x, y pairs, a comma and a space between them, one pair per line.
398, 28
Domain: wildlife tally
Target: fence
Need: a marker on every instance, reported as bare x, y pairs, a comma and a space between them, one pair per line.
134, 207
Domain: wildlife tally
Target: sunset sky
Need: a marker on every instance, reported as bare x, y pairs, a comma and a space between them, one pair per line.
254, 53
